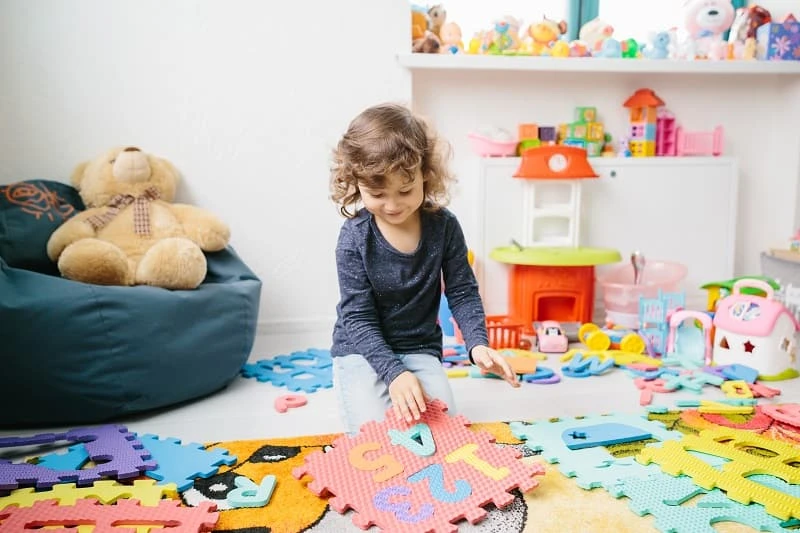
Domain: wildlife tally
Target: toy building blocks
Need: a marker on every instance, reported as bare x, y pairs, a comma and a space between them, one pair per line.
585, 132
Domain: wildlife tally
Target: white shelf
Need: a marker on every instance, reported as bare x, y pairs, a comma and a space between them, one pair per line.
594, 65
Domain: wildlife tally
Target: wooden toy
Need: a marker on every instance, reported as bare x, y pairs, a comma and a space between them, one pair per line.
425, 475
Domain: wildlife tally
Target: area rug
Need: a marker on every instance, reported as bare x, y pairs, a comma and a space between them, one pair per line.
558, 504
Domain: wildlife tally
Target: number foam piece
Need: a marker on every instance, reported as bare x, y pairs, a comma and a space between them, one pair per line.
376, 503
117, 452
602, 435
182, 463
592, 467
104, 518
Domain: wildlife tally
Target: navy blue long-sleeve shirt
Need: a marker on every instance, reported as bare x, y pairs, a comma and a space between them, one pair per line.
390, 300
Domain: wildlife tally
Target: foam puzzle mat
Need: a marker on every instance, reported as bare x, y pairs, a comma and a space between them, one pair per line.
585, 486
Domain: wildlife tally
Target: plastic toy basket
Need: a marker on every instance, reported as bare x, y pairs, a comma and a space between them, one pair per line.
503, 332
783, 271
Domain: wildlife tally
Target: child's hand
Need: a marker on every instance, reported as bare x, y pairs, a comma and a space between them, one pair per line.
408, 398
491, 361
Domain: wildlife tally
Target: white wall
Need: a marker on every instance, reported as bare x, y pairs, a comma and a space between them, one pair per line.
246, 97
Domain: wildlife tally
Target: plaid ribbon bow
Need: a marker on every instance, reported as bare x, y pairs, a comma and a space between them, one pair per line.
141, 211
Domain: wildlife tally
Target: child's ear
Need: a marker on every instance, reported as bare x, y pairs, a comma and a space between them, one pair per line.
562, 27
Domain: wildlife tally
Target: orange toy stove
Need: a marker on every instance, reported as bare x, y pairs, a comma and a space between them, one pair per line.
552, 276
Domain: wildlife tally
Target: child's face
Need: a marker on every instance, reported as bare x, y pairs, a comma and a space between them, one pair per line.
397, 201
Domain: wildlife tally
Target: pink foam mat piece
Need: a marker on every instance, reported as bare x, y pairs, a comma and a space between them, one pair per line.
168, 513
425, 491
115, 450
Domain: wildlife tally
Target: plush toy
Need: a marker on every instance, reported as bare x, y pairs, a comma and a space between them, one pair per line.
705, 22
131, 233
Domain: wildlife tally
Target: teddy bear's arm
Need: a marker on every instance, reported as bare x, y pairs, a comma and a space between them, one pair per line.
72, 230
202, 227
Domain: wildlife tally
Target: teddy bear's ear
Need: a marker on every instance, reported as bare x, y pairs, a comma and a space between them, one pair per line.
78, 173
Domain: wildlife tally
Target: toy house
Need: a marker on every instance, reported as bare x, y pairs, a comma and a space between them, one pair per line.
755, 331
643, 106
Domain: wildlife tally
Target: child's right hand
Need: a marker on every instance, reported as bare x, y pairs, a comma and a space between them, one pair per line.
408, 398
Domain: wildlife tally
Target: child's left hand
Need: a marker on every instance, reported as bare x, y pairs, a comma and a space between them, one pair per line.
491, 361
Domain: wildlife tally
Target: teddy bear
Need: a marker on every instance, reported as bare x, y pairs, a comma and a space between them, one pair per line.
131, 233
705, 22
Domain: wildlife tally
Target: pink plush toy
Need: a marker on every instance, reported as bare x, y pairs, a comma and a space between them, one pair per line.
705, 22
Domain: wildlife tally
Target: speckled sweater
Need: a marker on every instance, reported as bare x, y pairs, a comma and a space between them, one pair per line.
390, 300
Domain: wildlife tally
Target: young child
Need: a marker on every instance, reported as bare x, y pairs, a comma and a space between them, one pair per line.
392, 257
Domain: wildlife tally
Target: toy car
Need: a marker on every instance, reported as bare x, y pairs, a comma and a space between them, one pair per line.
551, 338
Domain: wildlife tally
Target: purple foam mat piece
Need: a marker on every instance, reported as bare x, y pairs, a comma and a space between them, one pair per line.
41, 438
118, 454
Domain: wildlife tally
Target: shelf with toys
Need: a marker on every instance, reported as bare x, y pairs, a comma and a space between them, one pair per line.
713, 38
594, 65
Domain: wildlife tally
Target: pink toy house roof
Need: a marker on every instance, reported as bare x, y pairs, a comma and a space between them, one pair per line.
644, 98
760, 315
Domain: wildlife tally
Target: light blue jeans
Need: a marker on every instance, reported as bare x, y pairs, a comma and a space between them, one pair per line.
363, 396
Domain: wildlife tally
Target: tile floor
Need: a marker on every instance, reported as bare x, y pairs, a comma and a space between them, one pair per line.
244, 410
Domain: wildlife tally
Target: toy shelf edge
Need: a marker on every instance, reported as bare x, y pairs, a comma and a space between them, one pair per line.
593, 65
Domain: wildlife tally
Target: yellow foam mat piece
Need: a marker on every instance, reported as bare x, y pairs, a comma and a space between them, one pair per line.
674, 458
710, 406
105, 491
620, 358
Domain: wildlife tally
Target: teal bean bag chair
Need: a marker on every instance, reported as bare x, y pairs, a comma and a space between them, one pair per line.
75, 353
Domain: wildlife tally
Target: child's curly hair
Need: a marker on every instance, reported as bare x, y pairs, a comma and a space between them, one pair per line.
386, 139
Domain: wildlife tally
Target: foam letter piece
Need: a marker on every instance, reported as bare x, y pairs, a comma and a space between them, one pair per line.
371, 503
408, 439
736, 389
248, 494
116, 451
287, 401
602, 435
